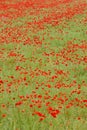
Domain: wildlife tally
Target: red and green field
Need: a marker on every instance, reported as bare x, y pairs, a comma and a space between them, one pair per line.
43, 65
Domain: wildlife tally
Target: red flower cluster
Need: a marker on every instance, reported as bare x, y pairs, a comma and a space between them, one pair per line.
53, 112
41, 115
18, 103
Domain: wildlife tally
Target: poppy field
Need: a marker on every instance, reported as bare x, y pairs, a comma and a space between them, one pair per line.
43, 65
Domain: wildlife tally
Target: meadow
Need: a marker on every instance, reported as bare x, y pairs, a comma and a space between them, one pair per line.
43, 65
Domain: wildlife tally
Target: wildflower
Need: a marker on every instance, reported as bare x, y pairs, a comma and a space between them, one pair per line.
79, 118
4, 115
53, 112
39, 114
3, 105
18, 103
1, 82
48, 85
42, 118
84, 100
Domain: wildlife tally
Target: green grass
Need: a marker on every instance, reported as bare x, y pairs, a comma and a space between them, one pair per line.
37, 70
